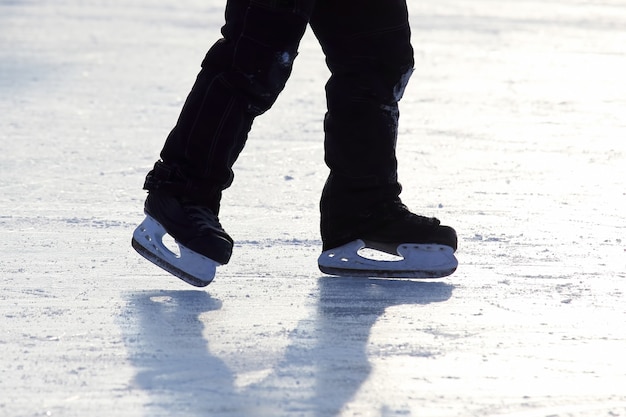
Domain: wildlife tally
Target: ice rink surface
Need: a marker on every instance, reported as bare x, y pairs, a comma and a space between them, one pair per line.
513, 131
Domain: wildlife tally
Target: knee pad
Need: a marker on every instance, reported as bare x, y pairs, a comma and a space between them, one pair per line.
264, 54
373, 67
402, 81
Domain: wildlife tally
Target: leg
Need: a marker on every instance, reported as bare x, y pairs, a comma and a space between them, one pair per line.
368, 50
241, 77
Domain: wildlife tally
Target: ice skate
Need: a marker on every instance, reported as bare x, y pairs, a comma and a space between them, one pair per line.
203, 244
399, 244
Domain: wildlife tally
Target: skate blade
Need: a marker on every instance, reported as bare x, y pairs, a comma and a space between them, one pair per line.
416, 261
190, 266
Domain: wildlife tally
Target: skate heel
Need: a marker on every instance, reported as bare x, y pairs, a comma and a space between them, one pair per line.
190, 266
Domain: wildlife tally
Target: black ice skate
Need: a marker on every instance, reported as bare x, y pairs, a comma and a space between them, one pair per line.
394, 244
202, 242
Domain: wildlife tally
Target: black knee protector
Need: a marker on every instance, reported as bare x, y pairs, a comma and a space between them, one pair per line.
372, 67
260, 56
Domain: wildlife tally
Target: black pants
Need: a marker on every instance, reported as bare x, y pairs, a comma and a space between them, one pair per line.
368, 51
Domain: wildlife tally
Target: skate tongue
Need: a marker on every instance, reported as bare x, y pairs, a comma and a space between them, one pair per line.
415, 261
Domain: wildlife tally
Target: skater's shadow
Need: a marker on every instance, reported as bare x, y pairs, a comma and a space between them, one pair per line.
334, 342
324, 365
163, 335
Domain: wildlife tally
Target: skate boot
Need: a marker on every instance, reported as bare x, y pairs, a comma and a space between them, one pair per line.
202, 241
390, 242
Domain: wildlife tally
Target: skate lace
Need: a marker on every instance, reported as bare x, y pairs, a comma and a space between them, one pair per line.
429, 221
398, 210
202, 216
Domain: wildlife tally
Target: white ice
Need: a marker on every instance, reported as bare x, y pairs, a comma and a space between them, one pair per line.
513, 131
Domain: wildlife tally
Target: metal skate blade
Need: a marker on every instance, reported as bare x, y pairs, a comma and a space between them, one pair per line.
191, 267
415, 261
